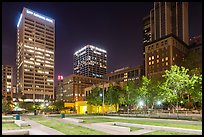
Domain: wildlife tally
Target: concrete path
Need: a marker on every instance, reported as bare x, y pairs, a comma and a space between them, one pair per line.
39, 129
118, 130
160, 120
151, 127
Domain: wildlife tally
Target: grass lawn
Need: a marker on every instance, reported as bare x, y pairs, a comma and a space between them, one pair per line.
12, 126
7, 118
68, 129
155, 123
160, 132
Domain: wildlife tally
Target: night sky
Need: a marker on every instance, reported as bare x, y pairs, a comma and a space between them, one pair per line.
116, 27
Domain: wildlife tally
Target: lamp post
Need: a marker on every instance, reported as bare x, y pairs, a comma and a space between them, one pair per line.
102, 95
158, 103
127, 89
103, 101
176, 103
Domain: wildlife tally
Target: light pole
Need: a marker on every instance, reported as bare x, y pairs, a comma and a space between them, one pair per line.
176, 103
103, 101
158, 103
102, 95
127, 89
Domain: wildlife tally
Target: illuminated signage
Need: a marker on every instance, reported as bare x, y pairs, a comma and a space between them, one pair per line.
19, 20
39, 16
60, 77
92, 47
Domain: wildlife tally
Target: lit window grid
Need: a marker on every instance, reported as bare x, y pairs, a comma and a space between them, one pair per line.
46, 63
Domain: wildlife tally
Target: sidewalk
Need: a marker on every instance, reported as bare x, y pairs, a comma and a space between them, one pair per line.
117, 130
39, 129
155, 119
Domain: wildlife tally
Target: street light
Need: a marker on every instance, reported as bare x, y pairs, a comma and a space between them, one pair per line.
158, 103
141, 103
176, 103
127, 89
102, 95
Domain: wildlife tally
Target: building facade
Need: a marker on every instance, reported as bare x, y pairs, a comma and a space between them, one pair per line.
7, 81
169, 17
126, 74
35, 56
90, 61
169, 38
71, 88
146, 30
161, 54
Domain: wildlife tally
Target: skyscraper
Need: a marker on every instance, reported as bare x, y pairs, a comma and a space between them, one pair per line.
168, 22
166, 18
90, 61
7, 80
35, 56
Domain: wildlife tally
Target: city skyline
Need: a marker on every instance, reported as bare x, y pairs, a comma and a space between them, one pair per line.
118, 27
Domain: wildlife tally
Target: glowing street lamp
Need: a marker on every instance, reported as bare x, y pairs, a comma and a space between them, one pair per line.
141, 103
158, 103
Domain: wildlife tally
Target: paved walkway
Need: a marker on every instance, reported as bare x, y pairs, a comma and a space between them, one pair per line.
118, 130
39, 129
160, 120
114, 128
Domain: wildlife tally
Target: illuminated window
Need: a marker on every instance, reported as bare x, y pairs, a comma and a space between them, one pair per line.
150, 63
166, 58
162, 59
157, 56
157, 61
166, 63
152, 57
173, 58
149, 58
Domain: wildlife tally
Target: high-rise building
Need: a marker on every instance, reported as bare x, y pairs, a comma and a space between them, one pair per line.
90, 61
35, 56
169, 37
166, 18
7, 80
146, 30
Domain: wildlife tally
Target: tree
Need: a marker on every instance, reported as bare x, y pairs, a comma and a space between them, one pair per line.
193, 62
94, 97
175, 85
149, 91
131, 95
59, 105
112, 96
5, 106
195, 91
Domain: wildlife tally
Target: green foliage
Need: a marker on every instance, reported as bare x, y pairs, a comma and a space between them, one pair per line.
179, 84
112, 95
5, 105
175, 85
130, 94
195, 90
58, 105
193, 62
94, 97
150, 91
